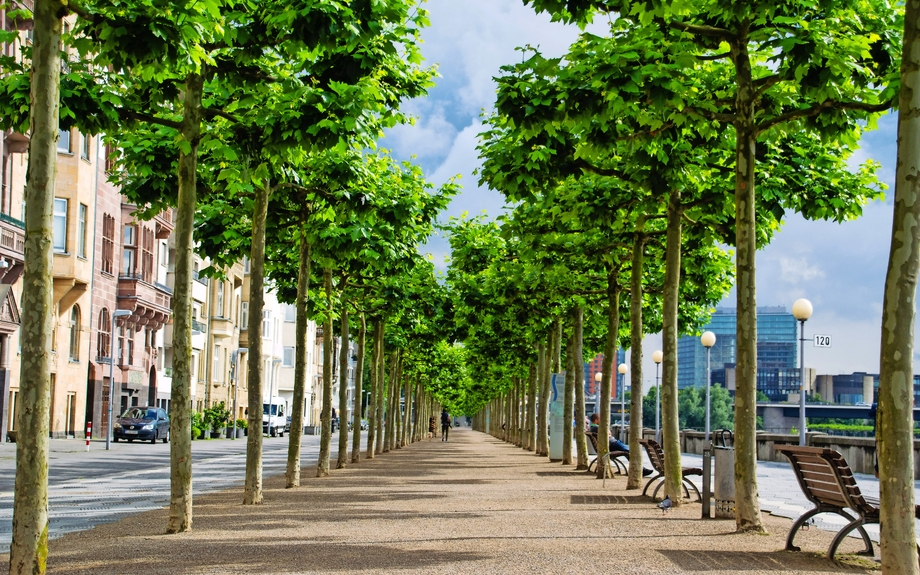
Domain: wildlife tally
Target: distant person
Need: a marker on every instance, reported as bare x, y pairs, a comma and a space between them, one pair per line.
445, 424
614, 444
432, 426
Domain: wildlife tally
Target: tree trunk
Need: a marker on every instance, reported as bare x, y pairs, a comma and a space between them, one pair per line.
292, 477
372, 422
634, 481
359, 394
407, 413
325, 439
542, 362
568, 396
581, 445
388, 417
531, 430
568, 403
670, 434
747, 506
342, 460
29, 548
252, 492
894, 426
610, 360
381, 391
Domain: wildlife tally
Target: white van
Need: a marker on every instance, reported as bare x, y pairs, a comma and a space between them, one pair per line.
274, 417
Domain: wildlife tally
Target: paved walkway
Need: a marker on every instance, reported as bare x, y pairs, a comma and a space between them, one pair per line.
474, 505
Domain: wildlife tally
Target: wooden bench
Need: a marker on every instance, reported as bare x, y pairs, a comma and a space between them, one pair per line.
827, 481
622, 468
656, 458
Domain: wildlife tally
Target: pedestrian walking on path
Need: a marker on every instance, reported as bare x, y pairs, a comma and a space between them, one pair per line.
445, 424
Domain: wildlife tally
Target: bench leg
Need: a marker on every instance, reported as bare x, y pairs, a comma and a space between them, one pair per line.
687, 483
591, 465
650, 481
838, 539
797, 525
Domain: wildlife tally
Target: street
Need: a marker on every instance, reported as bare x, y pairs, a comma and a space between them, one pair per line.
86, 489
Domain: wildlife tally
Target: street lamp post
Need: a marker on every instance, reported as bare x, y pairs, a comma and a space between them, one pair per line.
113, 347
597, 380
802, 310
708, 339
236, 385
622, 369
657, 356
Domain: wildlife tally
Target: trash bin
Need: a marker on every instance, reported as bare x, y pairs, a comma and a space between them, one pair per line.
724, 476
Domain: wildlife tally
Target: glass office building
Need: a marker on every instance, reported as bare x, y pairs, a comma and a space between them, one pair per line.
777, 352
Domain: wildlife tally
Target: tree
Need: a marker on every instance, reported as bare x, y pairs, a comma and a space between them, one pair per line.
29, 547
894, 427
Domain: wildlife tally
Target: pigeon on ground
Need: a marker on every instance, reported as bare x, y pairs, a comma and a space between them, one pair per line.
665, 505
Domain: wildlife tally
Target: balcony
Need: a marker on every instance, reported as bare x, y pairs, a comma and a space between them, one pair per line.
222, 327
165, 223
148, 303
12, 248
22, 22
199, 327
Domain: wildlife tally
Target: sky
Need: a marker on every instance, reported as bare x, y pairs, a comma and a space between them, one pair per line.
840, 268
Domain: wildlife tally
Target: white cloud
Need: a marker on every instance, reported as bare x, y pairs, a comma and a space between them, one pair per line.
797, 270
430, 137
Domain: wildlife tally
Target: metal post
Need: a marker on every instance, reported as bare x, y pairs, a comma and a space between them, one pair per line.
707, 477
113, 346
802, 389
657, 406
623, 408
708, 384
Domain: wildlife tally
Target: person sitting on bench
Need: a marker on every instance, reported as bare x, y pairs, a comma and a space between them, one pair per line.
614, 443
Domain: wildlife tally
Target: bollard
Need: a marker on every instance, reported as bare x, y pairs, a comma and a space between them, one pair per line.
707, 479
89, 433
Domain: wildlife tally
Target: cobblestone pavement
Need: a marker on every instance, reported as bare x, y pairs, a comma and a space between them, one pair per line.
95, 487
474, 505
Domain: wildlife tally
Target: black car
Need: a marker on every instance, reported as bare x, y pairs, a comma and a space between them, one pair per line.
142, 423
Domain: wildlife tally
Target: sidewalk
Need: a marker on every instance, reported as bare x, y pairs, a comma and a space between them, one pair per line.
474, 505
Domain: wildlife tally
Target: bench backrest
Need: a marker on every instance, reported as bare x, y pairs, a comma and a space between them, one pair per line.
655, 454
592, 443
825, 477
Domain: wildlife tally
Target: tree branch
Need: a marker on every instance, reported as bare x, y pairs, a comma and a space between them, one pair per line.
703, 30
714, 57
141, 117
761, 85
818, 108
213, 112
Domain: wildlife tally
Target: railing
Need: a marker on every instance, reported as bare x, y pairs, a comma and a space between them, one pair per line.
130, 276
199, 326
162, 287
103, 359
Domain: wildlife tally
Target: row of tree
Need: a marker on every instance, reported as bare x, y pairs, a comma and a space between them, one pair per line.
258, 122
630, 164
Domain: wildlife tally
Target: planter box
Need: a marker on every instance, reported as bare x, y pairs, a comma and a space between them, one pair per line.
216, 434
312, 429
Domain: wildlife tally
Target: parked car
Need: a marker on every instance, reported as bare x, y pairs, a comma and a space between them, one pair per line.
364, 425
142, 423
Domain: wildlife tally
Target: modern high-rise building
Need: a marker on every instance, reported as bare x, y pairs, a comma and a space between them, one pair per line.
776, 349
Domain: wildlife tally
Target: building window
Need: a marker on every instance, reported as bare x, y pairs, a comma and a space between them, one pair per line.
102, 338
81, 230
109, 158
215, 365
108, 243
60, 225
219, 307
288, 359
245, 265
266, 323
290, 313
147, 255
63, 141
129, 346
244, 315
129, 251
75, 333
84, 151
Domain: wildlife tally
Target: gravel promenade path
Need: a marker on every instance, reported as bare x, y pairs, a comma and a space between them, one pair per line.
473, 505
